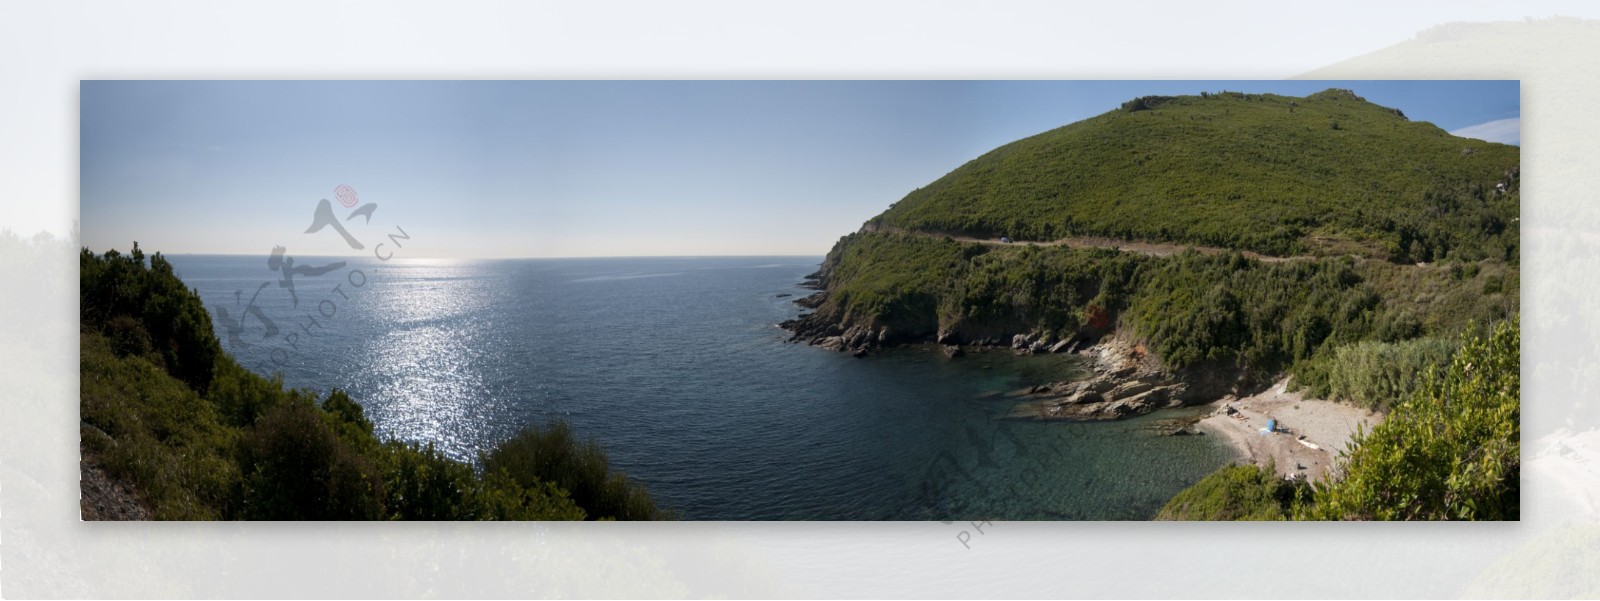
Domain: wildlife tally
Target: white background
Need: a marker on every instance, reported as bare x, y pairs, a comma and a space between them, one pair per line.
45, 48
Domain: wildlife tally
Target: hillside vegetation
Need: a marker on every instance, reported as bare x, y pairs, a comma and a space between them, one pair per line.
167, 412
1450, 450
1234, 493
1401, 235
1318, 318
1326, 174
1389, 239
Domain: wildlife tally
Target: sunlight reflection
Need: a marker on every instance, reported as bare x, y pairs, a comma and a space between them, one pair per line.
427, 377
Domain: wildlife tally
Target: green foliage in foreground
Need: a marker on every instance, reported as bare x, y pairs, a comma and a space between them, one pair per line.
147, 311
1452, 451
555, 456
1240, 492
244, 447
1326, 174
154, 430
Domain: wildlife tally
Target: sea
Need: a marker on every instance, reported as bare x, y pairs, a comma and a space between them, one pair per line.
677, 368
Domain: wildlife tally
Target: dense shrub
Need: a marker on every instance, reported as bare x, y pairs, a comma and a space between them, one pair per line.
146, 310
1450, 451
297, 468
1241, 492
240, 395
1058, 293
554, 454
422, 484
1259, 316
149, 428
1375, 374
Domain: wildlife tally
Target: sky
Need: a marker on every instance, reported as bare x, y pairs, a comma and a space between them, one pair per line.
498, 169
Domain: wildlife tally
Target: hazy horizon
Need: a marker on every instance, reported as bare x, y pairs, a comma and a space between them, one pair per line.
585, 169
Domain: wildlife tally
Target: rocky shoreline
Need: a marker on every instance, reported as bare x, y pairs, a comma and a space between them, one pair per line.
860, 341
829, 331
1125, 379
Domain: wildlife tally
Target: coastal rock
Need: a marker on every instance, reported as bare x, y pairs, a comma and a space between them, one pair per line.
824, 332
812, 301
1147, 401
1100, 385
1132, 388
1124, 379
855, 337
1086, 397
1121, 383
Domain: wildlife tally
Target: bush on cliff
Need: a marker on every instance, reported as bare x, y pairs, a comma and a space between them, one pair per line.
555, 455
296, 467
1191, 308
146, 310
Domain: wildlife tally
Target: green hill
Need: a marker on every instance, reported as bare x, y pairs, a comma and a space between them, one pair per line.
1310, 217
1236, 238
1326, 174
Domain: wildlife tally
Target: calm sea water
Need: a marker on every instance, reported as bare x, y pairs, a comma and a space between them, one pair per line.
676, 367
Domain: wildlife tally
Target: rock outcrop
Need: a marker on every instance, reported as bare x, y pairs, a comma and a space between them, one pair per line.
828, 331
1124, 381
823, 333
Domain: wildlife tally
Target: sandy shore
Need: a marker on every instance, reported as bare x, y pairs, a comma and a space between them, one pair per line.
1326, 425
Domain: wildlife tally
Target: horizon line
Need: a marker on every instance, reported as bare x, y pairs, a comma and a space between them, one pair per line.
504, 258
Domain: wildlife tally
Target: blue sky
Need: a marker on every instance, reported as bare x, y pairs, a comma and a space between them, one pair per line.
581, 168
